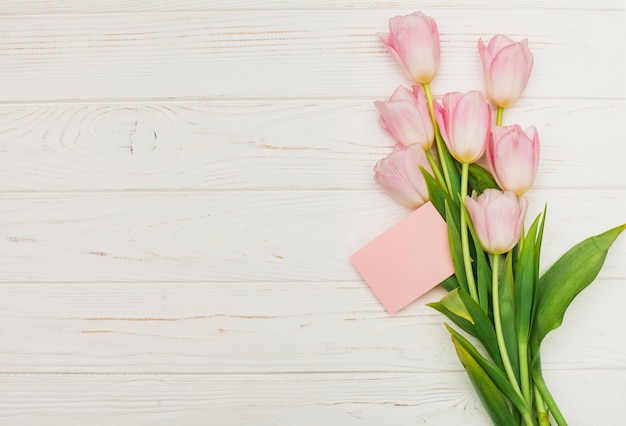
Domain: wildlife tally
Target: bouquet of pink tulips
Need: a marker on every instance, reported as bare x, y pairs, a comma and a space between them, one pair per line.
497, 295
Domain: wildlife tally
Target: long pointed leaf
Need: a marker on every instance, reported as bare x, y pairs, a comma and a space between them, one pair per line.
452, 166
569, 275
494, 373
461, 309
485, 331
525, 282
506, 288
492, 398
452, 306
538, 260
439, 197
456, 249
483, 270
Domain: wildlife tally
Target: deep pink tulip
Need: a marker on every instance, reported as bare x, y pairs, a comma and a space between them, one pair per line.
513, 157
498, 218
506, 67
400, 176
406, 118
413, 41
465, 124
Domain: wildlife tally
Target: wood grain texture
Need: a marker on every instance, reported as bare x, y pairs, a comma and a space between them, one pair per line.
238, 236
303, 399
260, 327
268, 400
291, 54
28, 7
261, 145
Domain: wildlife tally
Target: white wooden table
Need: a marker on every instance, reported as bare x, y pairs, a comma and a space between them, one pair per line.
182, 183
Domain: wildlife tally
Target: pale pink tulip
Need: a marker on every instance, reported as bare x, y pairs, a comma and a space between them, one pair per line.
506, 67
399, 174
465, 124
413, 41
513, 157
406, 118
497, 218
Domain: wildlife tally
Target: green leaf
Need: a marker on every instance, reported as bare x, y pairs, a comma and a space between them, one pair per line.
452, 166
538, 243
494, 373
456, 249
450, 283
452, 306
461, 309
480, 179
483, 270
525, 282
538, 264
506, 289
492, 398
483, 273
439, 197
569, 275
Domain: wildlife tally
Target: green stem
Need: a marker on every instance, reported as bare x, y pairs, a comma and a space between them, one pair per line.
438, 141
520, 243
523, 371
549, 401
467, 261
498, 325
499, 113
540, 406
435, 168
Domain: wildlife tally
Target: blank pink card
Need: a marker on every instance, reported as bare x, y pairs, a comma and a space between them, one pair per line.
407, 260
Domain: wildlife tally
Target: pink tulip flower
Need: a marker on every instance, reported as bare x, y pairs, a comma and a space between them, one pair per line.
413, 41
498, 218
513, 157
465, 124
400, 176
406, 118
506, 67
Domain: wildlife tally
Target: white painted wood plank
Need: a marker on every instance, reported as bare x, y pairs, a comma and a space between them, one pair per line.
261, 327
238, 236
299, 399
331, 54
261, 145
25, 7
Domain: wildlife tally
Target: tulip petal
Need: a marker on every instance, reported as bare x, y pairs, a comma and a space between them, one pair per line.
413, 41
399, 174
466, 120
506, 68
510, 71
405, 116
513, 157
497, 218
497, 43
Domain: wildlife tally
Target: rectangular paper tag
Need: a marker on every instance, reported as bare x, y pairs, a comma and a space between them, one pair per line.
407, 260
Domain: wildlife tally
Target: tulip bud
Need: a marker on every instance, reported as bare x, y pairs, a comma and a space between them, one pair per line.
406, 118
465, 124
413, 41
497, 218
399, 174
506, 67
513, 157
